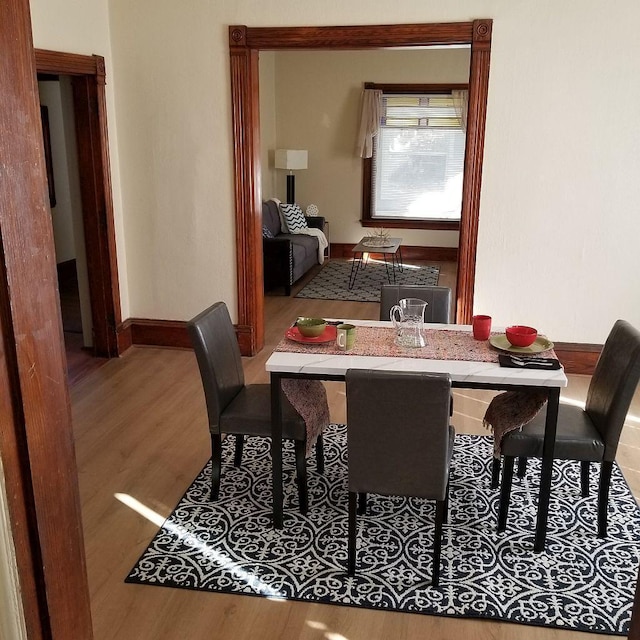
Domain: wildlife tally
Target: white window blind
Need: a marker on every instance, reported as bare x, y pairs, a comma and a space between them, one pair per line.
418, 159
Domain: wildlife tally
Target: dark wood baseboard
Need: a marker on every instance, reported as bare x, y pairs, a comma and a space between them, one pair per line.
169, 333
576, 358
434, 254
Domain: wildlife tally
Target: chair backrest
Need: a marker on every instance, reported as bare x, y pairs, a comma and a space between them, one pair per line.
398, 433
218, 353
613, 384
438, 300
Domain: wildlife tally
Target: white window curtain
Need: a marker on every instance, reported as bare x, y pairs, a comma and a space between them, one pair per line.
461, 105
369, 121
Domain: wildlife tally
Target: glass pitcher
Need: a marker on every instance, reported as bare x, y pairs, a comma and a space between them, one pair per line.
408, 320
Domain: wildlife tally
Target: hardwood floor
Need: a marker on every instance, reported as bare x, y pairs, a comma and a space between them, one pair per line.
141, 437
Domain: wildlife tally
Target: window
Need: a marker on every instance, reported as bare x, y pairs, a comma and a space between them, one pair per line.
415, 174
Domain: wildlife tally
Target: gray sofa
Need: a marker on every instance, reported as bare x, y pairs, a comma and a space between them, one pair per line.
287, 256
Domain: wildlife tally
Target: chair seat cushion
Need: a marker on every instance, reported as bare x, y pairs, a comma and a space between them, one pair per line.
249, 413
577, 438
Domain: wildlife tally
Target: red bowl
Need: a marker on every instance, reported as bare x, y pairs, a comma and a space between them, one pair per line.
520, 336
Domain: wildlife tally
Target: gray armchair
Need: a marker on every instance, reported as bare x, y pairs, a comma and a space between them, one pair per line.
399, 442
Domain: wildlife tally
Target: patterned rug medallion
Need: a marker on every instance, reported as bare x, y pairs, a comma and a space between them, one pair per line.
332, 282
579, 583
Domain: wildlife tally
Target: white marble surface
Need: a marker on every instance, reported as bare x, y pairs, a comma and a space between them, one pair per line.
461, 371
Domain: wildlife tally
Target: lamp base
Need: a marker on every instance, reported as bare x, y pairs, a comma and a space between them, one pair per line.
291, 189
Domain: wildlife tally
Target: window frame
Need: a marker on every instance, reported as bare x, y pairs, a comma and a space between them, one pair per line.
367, 220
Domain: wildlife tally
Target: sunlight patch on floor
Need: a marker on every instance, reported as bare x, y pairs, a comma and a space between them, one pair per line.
190, 539
321, 626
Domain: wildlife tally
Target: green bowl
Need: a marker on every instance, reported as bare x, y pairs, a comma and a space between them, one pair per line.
311, 327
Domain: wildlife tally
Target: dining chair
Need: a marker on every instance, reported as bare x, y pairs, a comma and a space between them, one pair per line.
438, 300
234, 407
585, 435
399, 442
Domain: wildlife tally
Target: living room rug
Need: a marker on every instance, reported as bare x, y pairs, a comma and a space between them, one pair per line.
332, 282
578, 583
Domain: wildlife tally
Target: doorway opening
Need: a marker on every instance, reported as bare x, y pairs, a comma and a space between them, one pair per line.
75, 85
245, 43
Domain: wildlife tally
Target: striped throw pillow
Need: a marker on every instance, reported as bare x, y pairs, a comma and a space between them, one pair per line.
293, 217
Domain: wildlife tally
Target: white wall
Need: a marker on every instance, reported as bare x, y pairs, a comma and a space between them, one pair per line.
268, 123
83, 28
318, 102
558, 223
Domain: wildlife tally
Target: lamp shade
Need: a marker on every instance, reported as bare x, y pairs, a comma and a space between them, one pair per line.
291, 159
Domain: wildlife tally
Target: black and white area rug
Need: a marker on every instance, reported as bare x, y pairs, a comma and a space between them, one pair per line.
332, 282
579, 582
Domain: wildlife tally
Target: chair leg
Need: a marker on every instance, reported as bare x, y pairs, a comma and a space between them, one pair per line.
505, 492
495, 473
301, 472
437, 542
351, 551
522, 466
584, 477
320, 454
446, 504
603, 497
237, 460
216, 462
362, 504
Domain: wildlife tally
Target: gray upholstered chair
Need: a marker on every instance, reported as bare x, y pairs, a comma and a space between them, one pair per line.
438, 300
586, 435
399, 442
236, 408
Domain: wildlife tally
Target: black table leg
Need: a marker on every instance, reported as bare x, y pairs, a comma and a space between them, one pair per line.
276, 450
355, 267
544, 494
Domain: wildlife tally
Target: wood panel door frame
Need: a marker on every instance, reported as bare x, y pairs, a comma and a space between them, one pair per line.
90, 115
36, 438
245, 43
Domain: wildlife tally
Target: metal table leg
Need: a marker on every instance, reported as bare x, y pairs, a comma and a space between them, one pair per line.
550, 428
356, 265
276, 450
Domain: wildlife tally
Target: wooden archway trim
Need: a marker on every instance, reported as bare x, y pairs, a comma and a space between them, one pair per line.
89, 102
244, 45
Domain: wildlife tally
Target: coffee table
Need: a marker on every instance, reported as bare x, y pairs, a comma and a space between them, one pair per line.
391, 247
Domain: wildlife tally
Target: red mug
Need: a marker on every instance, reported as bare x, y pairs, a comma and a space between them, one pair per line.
481, 327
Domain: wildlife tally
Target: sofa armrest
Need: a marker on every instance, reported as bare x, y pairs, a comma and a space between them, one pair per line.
277, 263
315, 222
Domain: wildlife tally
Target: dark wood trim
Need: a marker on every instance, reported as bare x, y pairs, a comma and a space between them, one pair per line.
36, 438
415, 87
355, 36
434, 254
244, 45
476, 118
159, 333
246, 137
394, 223
167, 333
70, 64
578, 358
90, 111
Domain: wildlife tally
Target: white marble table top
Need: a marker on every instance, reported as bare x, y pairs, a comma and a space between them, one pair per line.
461, 371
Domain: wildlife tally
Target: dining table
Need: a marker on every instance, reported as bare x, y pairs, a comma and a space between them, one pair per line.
451, 349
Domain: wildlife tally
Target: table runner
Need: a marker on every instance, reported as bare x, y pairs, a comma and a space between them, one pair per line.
442, 344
